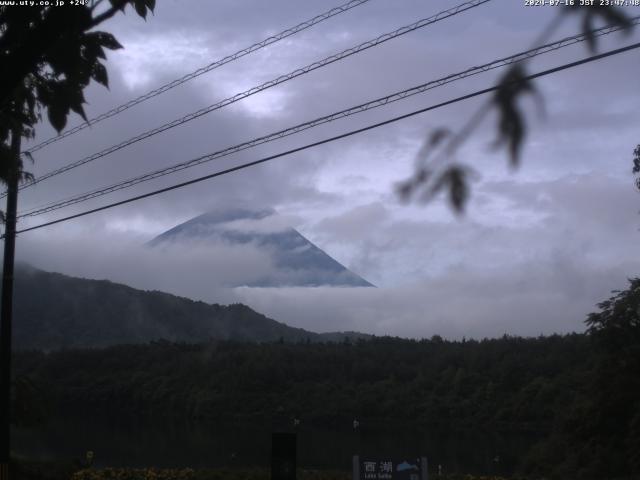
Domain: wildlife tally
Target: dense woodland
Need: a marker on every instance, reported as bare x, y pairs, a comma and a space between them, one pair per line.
511, 382
54, 311
579, 393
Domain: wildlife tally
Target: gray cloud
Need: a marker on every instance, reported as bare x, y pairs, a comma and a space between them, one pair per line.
523, 300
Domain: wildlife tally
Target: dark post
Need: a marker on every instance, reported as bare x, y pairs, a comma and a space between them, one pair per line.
424, 468
355, 468
6, 309
283, 456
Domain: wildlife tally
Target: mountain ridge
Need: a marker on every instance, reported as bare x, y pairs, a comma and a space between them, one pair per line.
53, 311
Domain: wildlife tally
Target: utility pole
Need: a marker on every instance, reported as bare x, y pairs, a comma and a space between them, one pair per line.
6, 310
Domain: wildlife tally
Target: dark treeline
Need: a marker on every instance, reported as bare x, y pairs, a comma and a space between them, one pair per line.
510, 383
579, 394
502, 385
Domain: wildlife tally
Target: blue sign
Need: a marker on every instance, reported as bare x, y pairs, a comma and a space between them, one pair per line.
409, 468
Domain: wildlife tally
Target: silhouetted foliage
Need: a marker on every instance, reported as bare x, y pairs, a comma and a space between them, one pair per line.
48, 56
512, 127
616, 409
600, 433
608, 14
511, 124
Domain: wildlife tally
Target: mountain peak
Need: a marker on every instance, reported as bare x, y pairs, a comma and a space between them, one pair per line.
297, 261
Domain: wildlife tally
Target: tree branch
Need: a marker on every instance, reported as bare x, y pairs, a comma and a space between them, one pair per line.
106, 15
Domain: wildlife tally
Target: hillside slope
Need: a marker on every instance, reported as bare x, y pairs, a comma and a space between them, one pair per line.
57, 311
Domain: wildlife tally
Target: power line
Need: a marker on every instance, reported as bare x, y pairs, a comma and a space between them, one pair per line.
201, 71
379, 102
277, 81
332, 139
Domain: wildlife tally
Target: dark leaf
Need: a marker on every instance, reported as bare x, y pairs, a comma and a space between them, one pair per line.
119, 4
615, 16
587, 30
28, 155
455, 178
511, 125
141, 7
71, 93
151, 4
79, 109
57, 113
43, 92
107, 40
608, 14
100, 75
437, 186
98, 53
66, 95
458, 189
93, 46
636, 160
30, 100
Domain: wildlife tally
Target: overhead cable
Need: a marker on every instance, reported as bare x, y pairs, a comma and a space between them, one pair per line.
201, 71
566, 66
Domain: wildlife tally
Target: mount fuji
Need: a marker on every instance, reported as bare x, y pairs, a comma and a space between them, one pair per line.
297, 261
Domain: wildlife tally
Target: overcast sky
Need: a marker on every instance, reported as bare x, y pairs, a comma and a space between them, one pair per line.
537, 248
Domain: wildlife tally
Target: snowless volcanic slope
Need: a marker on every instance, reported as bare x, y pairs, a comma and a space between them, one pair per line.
298, 262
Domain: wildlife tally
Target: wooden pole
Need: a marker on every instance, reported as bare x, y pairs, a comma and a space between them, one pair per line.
6, 309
